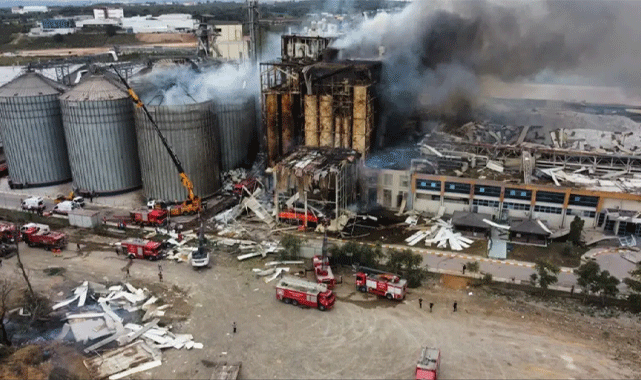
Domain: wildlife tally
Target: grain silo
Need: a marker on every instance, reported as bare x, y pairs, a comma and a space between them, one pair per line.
32, 132
190, 130
99, 128
237, 123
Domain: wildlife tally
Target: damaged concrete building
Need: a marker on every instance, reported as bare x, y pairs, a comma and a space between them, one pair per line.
316, 182
310, 98
518, 174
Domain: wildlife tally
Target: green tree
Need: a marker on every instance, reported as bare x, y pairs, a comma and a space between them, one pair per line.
291, 247
588, 278
408, 263
634, 283
111, 30
473, 266
607, 285
576, 228
546, 275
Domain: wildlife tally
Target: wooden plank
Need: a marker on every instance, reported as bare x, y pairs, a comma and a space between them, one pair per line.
311, 120
326, 121
225, 371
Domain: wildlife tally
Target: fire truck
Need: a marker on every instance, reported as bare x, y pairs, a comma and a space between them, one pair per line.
297, 216
142, 249
387, 285
296, 291
7, 232
39, 235
323, 271
428, 364
154, 217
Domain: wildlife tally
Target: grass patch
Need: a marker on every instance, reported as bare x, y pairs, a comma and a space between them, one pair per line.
54, 271
553, 253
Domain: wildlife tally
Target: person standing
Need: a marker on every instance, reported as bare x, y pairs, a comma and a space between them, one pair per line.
431, 306
420, 303
233, 326
464, 268
455, 304
127, 274
160, 276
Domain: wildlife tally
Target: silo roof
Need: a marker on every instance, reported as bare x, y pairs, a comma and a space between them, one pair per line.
31, 84
94, 88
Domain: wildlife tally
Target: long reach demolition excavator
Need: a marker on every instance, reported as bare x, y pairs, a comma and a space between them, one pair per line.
193, 204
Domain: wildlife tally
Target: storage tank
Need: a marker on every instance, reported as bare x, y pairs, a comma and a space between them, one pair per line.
190, 130
237, 123
32, 132
99, 128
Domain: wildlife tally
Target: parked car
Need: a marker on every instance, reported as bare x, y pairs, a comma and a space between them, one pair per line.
64, 207
33, 204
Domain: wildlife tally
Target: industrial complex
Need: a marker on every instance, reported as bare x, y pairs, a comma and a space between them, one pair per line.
391, 183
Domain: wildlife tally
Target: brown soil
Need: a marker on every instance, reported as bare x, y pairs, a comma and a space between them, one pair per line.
455, 282
165, 37
25, 363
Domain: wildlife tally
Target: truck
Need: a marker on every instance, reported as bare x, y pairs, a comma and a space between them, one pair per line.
296, 291
39, 235
64, 207
386, 285
33, 204
154, 217
142, 249
297, 216
7, 232
200, 255
428, 364
323, 271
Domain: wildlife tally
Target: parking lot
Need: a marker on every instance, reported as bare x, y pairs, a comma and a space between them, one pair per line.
362, 337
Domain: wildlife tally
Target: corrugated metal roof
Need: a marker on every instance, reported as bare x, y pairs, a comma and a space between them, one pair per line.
31, 84
94, 88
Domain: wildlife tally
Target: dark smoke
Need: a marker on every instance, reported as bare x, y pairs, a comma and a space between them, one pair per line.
436, 51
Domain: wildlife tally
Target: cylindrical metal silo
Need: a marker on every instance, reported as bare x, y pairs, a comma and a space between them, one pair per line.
99, 127
32, 133
190, 130
236, 123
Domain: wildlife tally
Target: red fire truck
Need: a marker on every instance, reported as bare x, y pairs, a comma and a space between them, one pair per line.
428, 364
39, 235
387, 285
297, 216
142, 249
7, 232
323, 272
301, 292
154, 217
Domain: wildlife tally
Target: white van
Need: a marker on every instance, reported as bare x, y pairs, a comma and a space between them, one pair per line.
65, 207
33, 203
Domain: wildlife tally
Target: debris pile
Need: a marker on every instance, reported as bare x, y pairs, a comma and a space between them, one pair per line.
442, 233
106, 317
232, 178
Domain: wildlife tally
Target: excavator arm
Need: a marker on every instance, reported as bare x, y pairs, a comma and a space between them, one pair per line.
186, 182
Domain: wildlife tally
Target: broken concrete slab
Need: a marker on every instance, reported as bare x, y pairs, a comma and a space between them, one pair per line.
121, 360
64, 303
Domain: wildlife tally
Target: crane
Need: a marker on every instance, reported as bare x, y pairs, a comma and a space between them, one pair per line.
193, 204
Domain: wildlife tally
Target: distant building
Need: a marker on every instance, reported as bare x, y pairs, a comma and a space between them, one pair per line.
53, 26
108, 13
29, 9
169, 23
231, 44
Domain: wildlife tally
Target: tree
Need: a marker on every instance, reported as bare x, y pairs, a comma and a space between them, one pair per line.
546, 274
408, 263
291, 247
473, 266
111, 30
5, 289
587, 278
607, 285
634, 283
576, 228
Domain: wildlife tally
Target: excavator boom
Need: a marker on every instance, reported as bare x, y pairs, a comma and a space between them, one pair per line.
186, 182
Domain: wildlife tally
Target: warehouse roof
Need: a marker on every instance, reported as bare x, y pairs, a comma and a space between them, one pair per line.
529, 226
31, 84
95, 88
470, 219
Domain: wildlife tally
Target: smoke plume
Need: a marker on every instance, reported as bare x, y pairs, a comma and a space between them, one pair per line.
436, 51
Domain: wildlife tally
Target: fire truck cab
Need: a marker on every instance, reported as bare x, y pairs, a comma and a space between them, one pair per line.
389, 286
428, 364
323, 272
142, 249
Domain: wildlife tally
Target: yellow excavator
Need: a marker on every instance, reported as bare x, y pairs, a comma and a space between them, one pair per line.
193, 204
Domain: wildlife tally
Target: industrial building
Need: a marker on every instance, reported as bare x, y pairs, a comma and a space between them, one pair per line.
99, 128
32, 132
310, 98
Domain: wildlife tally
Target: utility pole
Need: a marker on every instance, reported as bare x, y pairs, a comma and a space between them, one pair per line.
253, 20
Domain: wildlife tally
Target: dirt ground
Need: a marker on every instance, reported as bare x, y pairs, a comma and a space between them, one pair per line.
491, 336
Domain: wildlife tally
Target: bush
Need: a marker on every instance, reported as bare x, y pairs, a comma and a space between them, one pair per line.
567, 250
634, 302
473, 266
415, 277
291, 247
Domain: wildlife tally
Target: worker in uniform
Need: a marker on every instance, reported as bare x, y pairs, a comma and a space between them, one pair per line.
420, 303
455, 306
431, 306
464, 268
